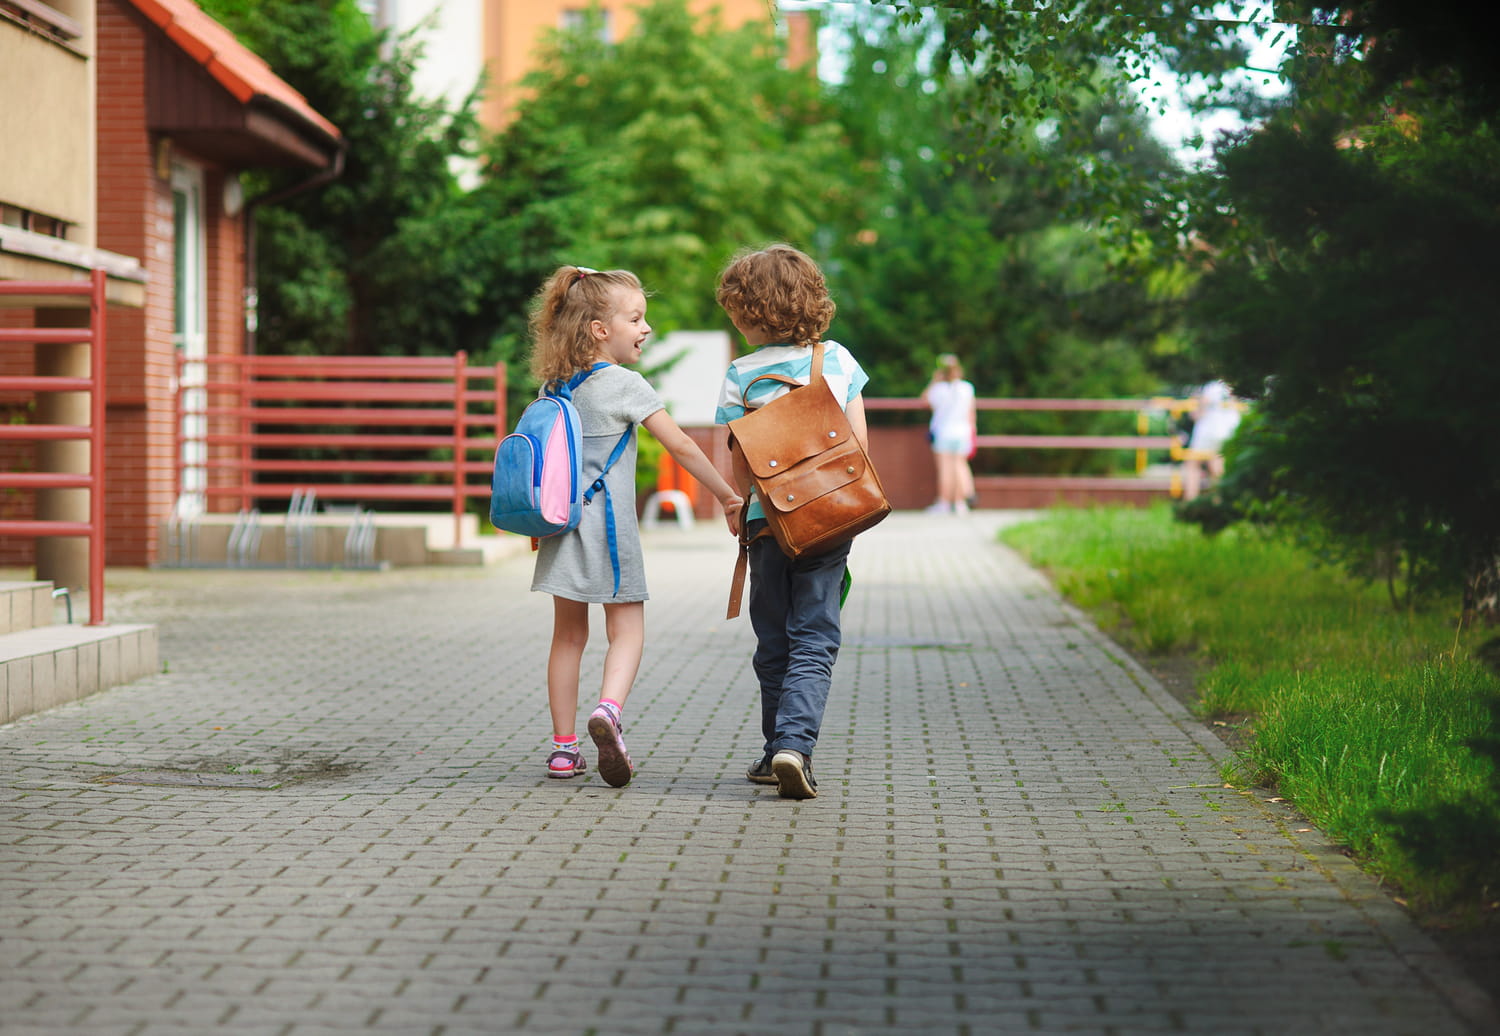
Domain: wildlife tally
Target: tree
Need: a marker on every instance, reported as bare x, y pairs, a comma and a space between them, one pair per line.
667, 151
392, 256
941, 256
1344, 243
1359, 305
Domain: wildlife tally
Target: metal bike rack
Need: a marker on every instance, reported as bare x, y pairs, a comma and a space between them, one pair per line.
299, 528
244, 539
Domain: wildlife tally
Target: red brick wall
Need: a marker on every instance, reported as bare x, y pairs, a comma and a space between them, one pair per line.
226, 253
136, 218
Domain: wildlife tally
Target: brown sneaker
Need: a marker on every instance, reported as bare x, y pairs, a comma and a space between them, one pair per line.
794, 778
760, 773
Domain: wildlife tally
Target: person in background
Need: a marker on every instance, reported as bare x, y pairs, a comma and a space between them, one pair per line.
952, 430
1215, 418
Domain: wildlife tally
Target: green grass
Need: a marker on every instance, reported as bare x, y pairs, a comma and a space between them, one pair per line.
1361, 716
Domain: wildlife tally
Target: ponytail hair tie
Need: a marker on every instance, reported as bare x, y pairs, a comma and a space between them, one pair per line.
584, 271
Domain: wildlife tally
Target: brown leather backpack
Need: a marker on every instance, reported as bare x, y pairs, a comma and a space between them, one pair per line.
814, 480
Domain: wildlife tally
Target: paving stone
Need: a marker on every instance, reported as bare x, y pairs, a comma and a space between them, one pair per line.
1017, 829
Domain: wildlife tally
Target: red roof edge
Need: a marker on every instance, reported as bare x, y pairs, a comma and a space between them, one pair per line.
231, 64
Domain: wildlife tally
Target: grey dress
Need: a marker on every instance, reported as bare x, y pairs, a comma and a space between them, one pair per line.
576, 564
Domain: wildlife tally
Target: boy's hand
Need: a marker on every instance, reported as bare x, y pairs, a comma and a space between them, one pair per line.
734, 509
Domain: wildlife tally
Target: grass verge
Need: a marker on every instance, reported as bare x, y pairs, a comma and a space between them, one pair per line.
1380, 726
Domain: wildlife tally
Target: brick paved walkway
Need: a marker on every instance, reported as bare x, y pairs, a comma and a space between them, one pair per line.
1018, 830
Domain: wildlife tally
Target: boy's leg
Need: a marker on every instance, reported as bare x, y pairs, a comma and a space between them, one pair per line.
814, 634
770, 601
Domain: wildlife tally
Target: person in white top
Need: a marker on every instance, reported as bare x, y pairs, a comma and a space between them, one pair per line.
952, 430
1216, 416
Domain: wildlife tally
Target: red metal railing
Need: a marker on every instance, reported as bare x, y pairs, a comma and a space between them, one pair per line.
93, 480
418, 413
1141, 443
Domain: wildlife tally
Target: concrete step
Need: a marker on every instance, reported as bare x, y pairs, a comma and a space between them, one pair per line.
320, 541
25, 605
53, 665
44, 664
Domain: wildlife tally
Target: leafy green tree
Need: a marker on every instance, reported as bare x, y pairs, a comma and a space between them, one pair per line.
667, 151
1362, 312
940, 256
1344, 243
392, 256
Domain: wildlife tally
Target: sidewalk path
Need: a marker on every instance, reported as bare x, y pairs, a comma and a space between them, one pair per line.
329, 814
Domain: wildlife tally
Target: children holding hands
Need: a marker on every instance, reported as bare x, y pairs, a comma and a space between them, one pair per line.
778, 300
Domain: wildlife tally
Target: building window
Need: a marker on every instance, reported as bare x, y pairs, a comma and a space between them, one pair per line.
25, 219
41, 19
578, 19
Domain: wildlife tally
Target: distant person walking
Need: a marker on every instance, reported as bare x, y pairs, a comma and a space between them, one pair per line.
1216, 416
953, 431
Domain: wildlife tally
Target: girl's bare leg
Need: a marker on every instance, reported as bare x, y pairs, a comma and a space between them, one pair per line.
944, 477
625, 626
570, 633
950, 481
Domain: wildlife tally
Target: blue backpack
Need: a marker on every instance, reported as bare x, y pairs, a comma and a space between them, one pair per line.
538, 487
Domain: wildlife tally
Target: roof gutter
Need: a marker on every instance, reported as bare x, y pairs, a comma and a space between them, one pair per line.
325, 176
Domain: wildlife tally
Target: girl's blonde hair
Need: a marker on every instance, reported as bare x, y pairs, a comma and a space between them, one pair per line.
949, 367
572, 299
779, 290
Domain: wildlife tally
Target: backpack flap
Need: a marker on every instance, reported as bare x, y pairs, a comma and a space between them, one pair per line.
815, 477
800, 424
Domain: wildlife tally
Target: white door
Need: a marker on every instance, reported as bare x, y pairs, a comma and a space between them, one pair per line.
190, 331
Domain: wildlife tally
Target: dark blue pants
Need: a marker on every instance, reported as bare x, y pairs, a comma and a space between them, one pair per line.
794, 609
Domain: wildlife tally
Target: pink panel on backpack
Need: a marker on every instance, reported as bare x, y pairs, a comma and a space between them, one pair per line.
555, 494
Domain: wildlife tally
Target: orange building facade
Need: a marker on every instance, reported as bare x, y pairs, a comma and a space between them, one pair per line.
512, 29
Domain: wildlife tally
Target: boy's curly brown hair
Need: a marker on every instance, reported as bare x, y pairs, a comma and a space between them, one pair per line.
780, 290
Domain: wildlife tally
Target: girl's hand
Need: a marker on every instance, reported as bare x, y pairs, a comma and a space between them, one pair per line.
734, 508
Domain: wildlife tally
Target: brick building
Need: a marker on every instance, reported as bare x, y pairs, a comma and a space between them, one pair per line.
138, 117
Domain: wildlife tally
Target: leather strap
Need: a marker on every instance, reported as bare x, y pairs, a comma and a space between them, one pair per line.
812, 378
742, 563
737, 584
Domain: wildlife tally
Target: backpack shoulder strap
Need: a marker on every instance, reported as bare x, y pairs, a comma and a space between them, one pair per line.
609, 505
814, 374
563, 388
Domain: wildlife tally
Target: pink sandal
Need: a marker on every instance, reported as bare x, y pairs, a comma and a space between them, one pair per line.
563, 764
614, 761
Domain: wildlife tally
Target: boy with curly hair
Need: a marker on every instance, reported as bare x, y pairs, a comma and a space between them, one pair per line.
778, 300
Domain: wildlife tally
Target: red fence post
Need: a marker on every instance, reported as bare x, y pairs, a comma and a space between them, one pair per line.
244, 367
460, 434
92, 481
97, 415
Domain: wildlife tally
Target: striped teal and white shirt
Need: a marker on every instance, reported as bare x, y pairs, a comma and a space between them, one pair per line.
841, 370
